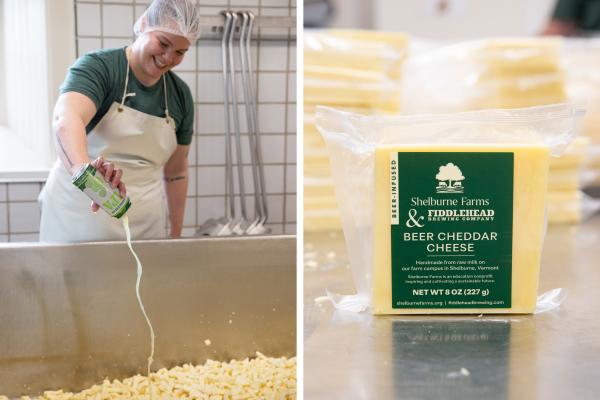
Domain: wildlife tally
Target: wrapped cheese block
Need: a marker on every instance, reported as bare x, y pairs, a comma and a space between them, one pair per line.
581, 58
565, 207
356, 49
487, 73
466, 249
398, 41
516, 57
445, 214
384, 95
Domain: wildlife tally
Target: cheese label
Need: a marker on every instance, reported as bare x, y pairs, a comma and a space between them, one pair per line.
452, 229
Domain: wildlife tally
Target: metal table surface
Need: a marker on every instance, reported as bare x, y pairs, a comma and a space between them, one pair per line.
551, 355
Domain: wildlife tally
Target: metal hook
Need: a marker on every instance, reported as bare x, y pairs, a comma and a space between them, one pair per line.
258, 147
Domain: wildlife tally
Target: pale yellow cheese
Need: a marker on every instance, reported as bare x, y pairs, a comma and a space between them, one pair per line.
566, 175
522, 91
322, 220
347, 93
258, 378
574, 155
317, 169
487, 74
590, 126
311, 142
542, 91
569, 216
564, 179
397, 40
318, 186
518, 56
316, 155
581, 59
320, 203
311, 137
530, 181
325, 50
341, 73
564, 207
320, 206
517, 101
356, 49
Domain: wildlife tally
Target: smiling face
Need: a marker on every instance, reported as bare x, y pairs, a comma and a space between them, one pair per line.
156, 52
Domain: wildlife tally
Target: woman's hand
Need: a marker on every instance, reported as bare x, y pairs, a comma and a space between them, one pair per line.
111, 175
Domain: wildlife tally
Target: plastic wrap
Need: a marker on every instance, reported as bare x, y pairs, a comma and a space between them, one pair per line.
355, 49
570, 207
384, 95
592, 167
341, 73
352, 69
581, 58
574, 156
564, 179
482, 74
352, 141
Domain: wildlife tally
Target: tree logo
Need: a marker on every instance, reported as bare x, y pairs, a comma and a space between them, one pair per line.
449, 179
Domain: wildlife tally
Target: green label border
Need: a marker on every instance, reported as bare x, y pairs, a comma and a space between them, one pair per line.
451, 238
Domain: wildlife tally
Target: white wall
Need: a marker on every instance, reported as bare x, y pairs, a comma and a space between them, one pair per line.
463, 19
352, 14
2, 70
26, 66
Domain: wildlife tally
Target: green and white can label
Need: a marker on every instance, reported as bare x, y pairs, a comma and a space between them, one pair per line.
451, 226
100, 192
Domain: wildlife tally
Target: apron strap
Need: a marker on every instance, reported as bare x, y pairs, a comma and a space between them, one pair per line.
166, 101
125, 94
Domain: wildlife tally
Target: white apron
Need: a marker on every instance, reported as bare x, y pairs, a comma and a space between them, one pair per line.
136, 142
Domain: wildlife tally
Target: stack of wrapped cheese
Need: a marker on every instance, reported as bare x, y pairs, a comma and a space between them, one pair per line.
521, 72
348, 69
526, 73
581, 58
580, 165
565, 201
484, 74
502, 73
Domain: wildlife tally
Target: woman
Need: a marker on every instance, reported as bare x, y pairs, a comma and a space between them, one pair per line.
125, 110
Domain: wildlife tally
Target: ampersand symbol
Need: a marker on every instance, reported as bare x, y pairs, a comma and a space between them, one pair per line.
412, 222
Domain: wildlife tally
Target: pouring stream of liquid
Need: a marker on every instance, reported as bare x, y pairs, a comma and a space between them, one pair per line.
137, 292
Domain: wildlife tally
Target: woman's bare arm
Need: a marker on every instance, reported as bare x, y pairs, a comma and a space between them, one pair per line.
176, 184
72, 113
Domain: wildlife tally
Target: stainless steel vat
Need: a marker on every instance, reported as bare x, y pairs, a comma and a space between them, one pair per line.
69, 316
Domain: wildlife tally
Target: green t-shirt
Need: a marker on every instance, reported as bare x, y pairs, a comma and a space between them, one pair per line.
100, 75
584, 13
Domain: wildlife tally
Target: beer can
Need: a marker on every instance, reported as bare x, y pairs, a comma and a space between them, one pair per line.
97, 189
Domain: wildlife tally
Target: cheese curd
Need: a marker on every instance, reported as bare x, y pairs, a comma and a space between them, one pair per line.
258, 378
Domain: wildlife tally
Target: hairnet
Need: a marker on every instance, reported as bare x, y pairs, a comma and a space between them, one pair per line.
179, 17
